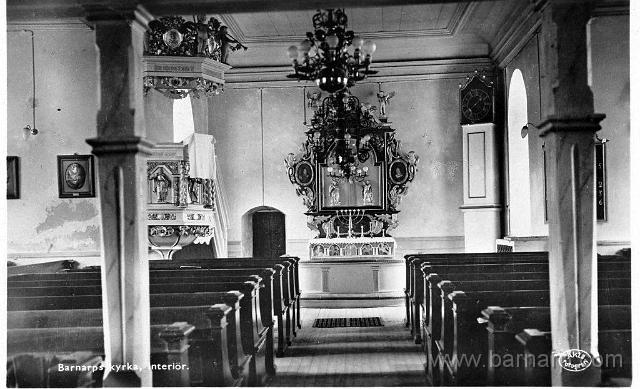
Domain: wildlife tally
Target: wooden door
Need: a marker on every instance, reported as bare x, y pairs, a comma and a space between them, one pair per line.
269, 238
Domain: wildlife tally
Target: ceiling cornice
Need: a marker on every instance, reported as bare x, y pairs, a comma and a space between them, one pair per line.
613, 8
512, 37
47, 9
62, 24
459, 17
524, 24
275, 76
238, 6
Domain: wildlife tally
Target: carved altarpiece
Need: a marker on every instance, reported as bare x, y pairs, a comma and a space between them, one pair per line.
374, 195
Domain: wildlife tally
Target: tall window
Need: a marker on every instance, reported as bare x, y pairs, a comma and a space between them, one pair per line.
183, 125
519, 185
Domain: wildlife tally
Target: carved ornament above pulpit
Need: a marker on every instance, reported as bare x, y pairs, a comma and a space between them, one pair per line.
351, 172
186, 57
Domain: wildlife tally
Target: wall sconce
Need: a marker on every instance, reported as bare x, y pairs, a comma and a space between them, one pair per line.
525, 130
27, 131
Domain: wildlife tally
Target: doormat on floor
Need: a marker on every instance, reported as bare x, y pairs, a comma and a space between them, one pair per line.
333, 322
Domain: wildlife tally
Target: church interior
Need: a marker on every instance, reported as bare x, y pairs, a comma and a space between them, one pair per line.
318, 193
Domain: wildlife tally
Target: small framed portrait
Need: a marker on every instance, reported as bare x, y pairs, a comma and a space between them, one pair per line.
76, 176
398, 172
304, 173
13, 177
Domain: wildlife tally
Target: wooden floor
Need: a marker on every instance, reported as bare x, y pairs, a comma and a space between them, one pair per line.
357, 356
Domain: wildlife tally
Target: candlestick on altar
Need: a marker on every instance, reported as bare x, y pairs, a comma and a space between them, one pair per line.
362, 231
350, 217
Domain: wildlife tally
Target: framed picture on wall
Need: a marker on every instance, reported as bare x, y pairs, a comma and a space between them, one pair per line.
75, 176
13, 177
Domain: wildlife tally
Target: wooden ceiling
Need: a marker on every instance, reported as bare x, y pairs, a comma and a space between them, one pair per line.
408, 20
403, 29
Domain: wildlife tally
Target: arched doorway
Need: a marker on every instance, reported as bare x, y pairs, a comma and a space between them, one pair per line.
263, 232
519, 196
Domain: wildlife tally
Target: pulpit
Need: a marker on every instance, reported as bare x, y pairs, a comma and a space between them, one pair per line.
180, 209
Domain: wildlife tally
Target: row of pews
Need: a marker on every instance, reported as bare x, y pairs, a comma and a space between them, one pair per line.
218, 322
484, 318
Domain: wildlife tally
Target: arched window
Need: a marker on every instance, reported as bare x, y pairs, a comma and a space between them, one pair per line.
183, 125
519, 185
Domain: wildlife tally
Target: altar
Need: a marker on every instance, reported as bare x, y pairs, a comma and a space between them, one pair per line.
359, 271
351, 174
349, 249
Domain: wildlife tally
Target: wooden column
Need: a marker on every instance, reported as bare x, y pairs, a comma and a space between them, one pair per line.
569, 131
121, 150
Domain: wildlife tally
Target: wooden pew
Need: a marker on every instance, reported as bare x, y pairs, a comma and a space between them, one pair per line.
252, 344
414, 280
45, 267
263, 329
537, 344
271, 300
287, 266
417, 280
282, 290
434, 267
256, 339
16, 283
169, 345
614, 339
432, 312
205, 351
431, 350
291, 264
503, 324
414, 276
515, 267
32, 370
461, 334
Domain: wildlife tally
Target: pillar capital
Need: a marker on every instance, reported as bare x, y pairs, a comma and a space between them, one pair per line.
125, 145
554, 123
96, 14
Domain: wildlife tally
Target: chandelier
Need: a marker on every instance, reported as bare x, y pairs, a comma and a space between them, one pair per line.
343, 132
344, 164
326, 58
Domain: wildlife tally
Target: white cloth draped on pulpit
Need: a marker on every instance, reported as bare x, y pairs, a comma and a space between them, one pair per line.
201, 153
